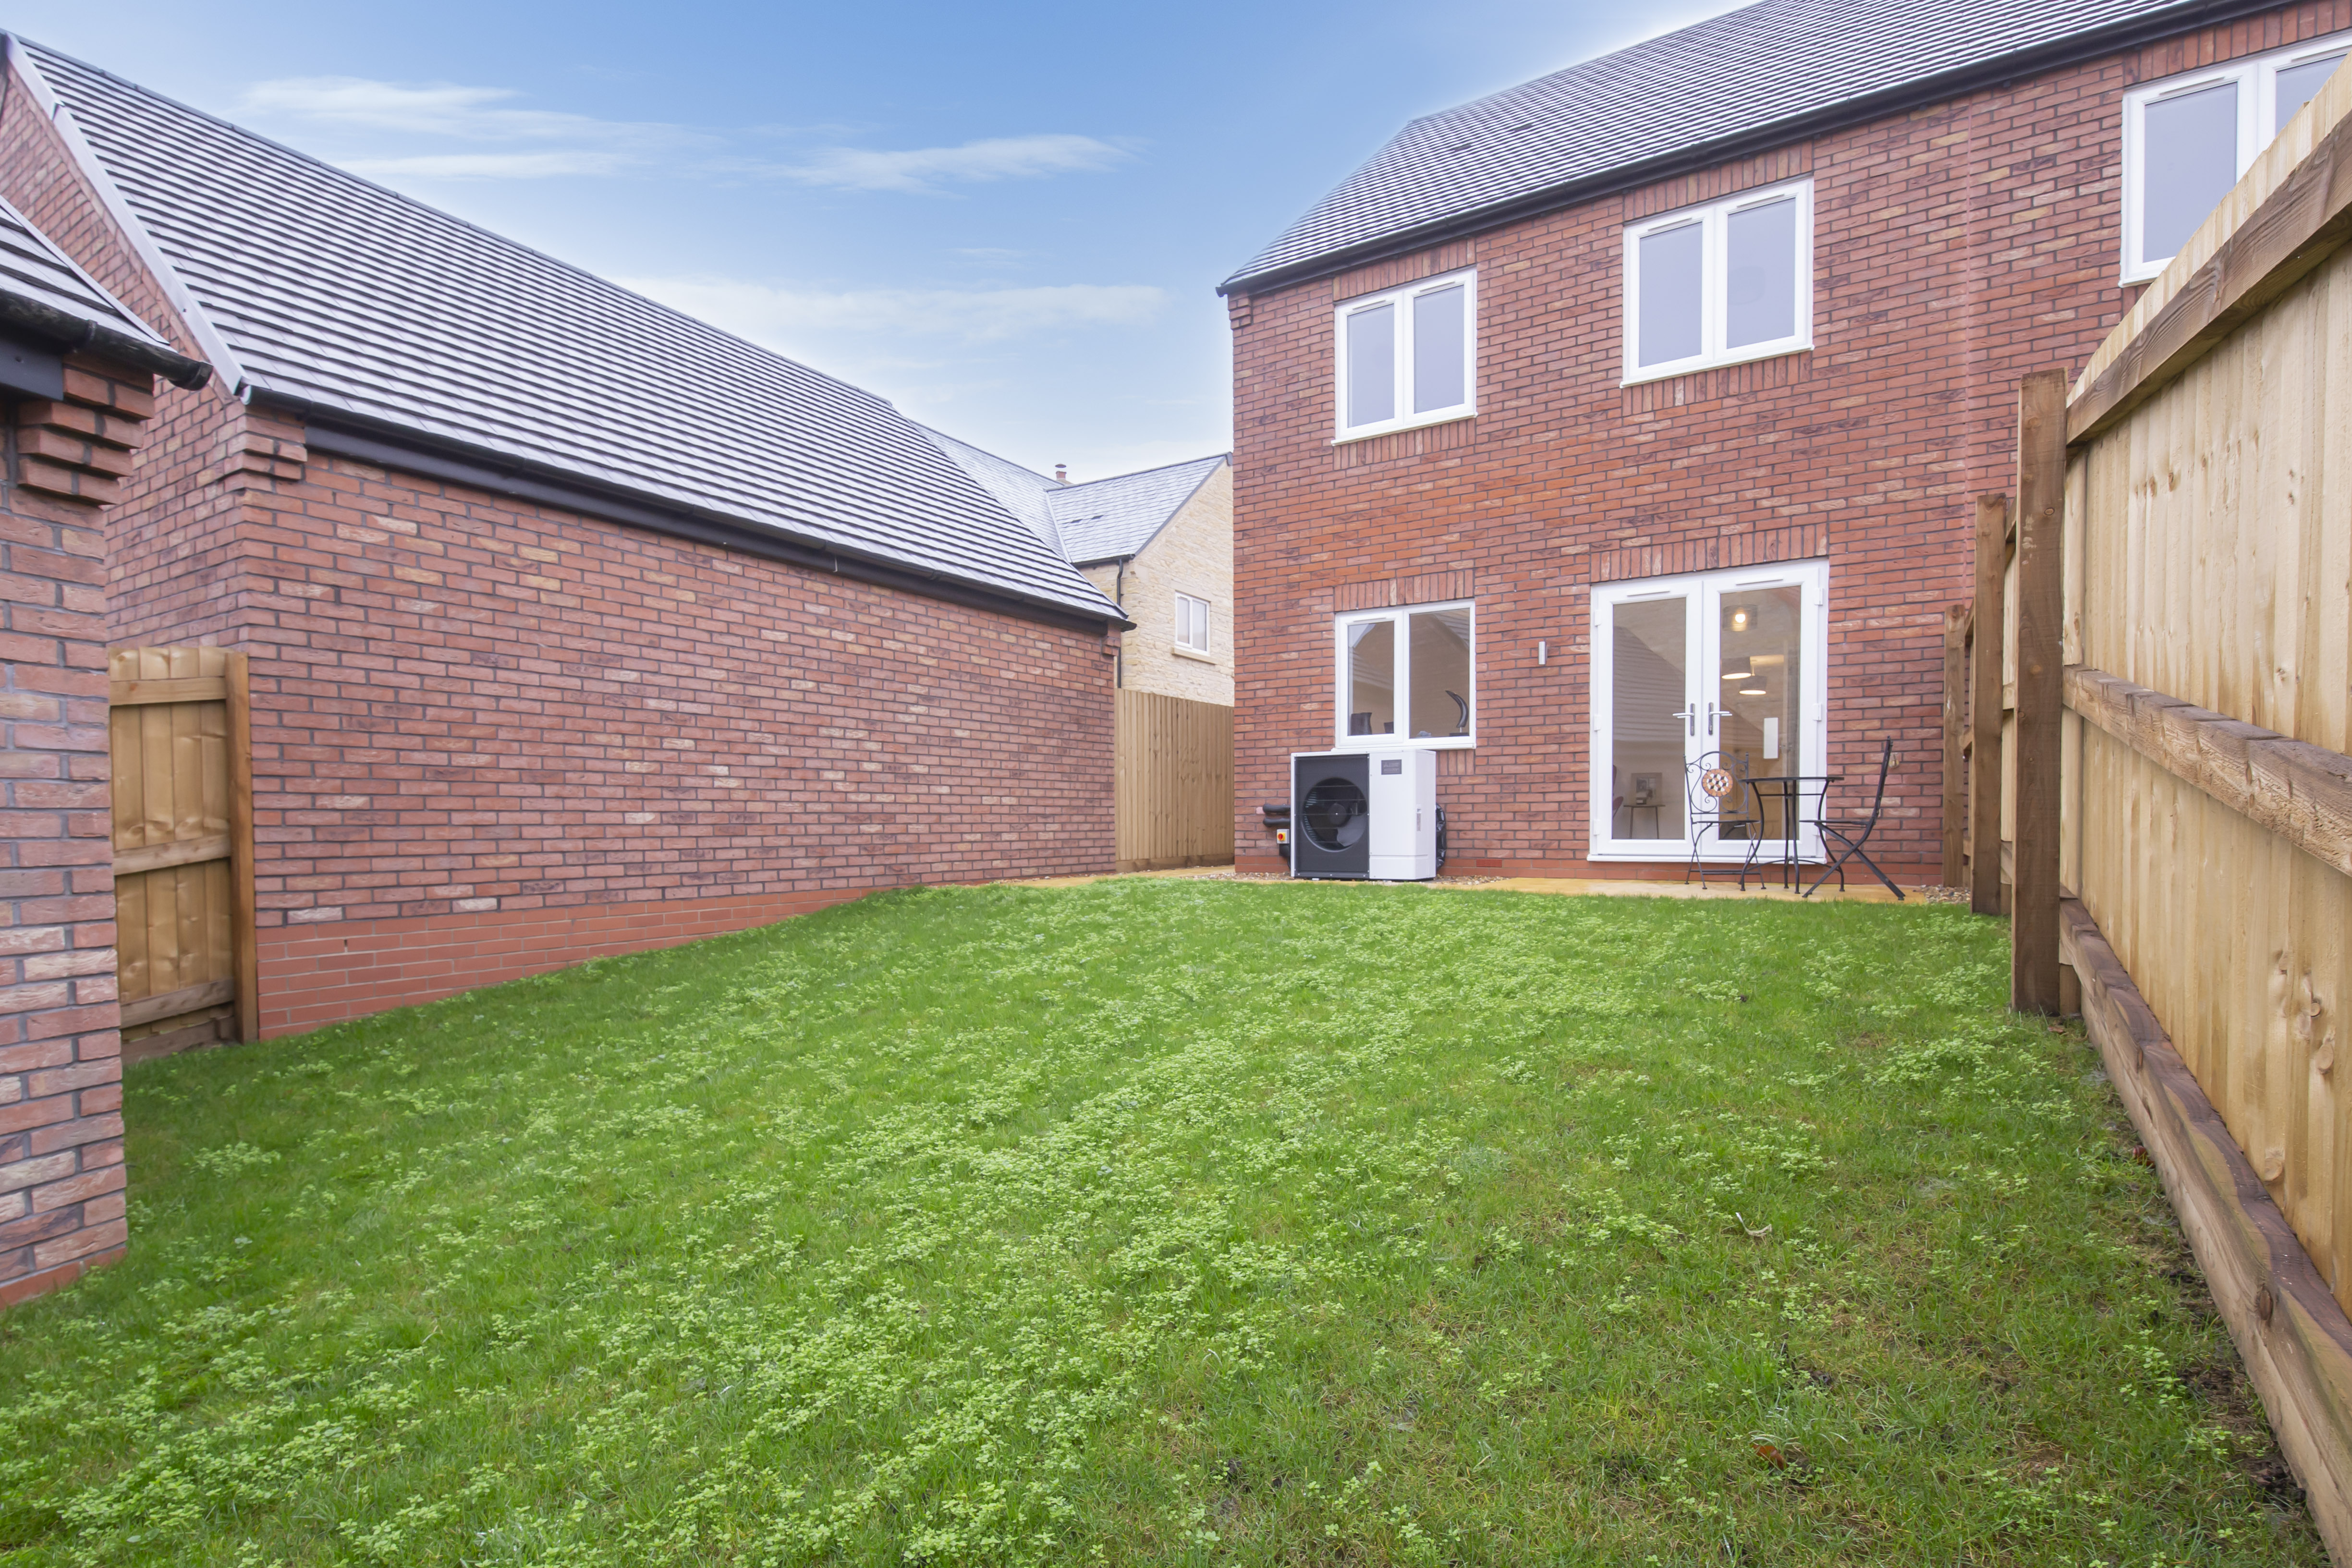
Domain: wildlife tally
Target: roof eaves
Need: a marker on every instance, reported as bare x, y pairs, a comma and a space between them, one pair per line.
2069, 50
14, 57
340, 431
127, 340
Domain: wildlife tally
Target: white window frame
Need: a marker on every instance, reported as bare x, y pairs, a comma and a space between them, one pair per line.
1342, 740
1713, 281
2256, 76
1184, 645
1403, 299
1702, 628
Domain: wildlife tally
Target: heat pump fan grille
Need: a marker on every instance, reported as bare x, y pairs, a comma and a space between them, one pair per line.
1335, 815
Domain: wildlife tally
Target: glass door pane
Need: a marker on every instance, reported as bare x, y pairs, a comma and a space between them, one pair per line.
1648, 725
1371, 677
1760, 658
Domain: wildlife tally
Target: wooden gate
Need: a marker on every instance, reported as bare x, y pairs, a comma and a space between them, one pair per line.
179, 738
1175, 782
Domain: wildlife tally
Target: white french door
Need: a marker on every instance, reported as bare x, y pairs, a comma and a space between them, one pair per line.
1723, 667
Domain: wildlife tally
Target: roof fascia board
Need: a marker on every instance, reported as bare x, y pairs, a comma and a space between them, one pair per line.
109, 195
2053, 56
69, 333
328, 432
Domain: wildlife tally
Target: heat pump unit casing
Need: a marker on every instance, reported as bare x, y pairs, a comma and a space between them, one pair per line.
1404, 816
1369, 814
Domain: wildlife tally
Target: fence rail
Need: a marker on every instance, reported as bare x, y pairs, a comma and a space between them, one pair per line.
180, 753
1175, 791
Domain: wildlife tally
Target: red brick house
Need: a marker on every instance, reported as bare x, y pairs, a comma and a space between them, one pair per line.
575, 625
77, 396
1634, 414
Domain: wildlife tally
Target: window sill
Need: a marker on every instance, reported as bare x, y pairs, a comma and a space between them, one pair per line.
1373, 432
1182, 652
1692, 367
1405, 743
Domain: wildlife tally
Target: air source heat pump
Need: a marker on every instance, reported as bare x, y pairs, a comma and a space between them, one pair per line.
1364, 814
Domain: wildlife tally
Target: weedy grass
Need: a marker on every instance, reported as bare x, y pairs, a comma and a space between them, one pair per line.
1158, 1221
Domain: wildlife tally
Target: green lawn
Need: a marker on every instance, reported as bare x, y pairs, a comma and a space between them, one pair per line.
1159, 1221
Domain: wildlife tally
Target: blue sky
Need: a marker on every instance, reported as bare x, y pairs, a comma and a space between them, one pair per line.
1007, 219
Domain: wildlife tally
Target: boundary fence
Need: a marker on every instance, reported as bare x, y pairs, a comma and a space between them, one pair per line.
2176, 594
1175, 790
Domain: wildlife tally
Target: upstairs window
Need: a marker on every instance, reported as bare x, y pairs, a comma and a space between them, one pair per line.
1716, 285
1192, 623
2189, 139
1409, 356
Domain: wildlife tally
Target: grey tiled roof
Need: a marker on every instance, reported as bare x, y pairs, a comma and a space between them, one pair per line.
33, 269
1730, 79
357, 303
1107, 519
1021, 490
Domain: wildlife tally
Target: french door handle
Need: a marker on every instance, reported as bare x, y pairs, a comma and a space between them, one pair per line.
1689, 715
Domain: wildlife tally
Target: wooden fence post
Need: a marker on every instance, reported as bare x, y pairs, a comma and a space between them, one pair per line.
244, 950
1956, 728
2033, 963
1984, 708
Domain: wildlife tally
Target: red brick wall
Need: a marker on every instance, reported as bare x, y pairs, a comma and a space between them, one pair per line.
470, 712
61, 1172
1956, 248
463, 705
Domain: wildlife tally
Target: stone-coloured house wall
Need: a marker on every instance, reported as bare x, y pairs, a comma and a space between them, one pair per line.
1957, 246
61, 1168
1193, 554
493, 736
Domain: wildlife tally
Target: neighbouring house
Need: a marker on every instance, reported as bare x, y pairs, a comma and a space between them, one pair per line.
1158, 543
1636, 414
574, 625
77, 402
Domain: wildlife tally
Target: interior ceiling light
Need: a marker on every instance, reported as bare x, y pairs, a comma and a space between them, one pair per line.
1739, 675
1739, 621
1752, 691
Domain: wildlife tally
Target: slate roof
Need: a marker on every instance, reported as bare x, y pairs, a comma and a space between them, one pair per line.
364, 308
1097, 521
43, 292
1727, 84
1113, 519
1021, 490
32, 269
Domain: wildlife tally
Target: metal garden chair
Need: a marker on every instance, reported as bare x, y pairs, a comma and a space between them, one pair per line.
1708, 783
1851, 833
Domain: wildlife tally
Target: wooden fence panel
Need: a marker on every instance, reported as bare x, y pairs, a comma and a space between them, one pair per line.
2207, 780
1175, 788
183, 848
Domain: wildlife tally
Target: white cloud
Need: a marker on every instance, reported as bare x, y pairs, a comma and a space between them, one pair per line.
466, 113
925, 169
563, 143
493, 165
767, 313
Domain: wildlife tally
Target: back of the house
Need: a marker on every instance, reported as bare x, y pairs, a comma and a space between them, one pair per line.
1630, 423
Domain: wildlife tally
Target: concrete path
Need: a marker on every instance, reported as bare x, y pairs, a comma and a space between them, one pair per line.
1560, 885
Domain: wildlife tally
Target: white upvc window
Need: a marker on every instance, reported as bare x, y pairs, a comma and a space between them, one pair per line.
1720, 284
1406, 677
2189, 139
1192, 623
1409, 356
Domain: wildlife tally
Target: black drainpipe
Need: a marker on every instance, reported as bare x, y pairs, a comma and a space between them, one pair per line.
1118, 597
